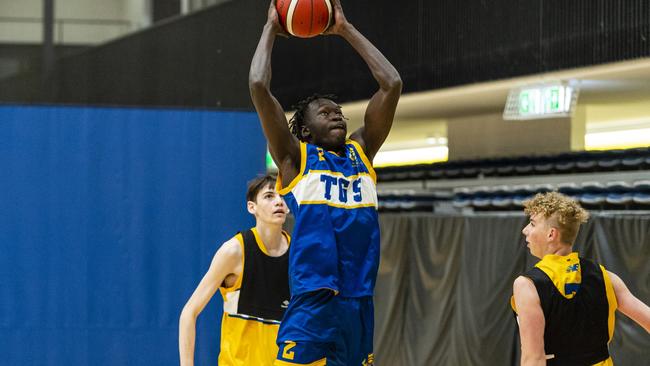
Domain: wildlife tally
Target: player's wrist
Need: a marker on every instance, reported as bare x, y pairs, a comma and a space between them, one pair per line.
345, 29
272, 26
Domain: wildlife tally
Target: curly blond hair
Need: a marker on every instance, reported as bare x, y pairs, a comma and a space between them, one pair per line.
562, 211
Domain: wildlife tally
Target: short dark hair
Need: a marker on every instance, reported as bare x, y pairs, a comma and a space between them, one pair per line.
257, 184
298, 119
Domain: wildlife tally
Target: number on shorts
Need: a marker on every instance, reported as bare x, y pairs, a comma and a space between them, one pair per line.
286, 351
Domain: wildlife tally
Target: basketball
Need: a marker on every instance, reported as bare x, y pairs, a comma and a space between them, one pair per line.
304, 18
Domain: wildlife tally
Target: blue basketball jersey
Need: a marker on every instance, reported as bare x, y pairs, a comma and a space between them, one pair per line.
335, 240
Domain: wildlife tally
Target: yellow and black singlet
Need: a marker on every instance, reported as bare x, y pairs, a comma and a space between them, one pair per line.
578, 302
254, 305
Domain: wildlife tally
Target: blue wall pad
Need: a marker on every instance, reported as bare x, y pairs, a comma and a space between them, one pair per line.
109, 218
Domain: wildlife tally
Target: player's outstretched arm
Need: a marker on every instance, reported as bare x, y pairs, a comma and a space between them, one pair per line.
225, 262
381, 107
531, 322
628, 304
284, 147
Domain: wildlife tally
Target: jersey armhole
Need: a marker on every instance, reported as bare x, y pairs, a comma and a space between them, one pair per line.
237, 285
611, 301
303, 164
365, 160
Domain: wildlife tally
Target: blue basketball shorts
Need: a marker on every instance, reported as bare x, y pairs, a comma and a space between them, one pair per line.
321, 328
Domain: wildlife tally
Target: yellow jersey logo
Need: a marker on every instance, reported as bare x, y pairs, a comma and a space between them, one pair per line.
369, 361
353, 156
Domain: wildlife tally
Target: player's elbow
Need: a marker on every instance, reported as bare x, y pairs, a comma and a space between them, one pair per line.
188, 314
394, 84
256, 83
257, 88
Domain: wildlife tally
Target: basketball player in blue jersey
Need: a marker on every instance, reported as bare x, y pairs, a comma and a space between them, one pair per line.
328, 182
566, 304
251, 272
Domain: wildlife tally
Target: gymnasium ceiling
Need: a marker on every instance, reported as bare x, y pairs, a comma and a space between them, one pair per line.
421, 115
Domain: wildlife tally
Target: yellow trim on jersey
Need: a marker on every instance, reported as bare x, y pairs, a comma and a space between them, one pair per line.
258, 240
288, 237
226, 290
611, 300
262, 246
365, 160
339, 174
607, 362
321, 362
303, 164
337, 205
557, 268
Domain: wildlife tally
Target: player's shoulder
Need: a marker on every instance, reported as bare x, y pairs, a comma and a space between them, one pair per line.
613, 277
522, 282
231, 248
356, 139
524, 292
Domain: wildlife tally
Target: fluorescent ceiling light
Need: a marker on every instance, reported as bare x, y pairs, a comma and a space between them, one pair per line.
617, 139
420, 155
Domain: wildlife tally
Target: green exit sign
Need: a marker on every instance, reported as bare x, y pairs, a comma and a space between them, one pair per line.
540, 101
270, 165
552, 99
529, 102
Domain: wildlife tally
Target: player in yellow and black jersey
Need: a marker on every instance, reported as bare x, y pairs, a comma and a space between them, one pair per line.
566, 304
251, 272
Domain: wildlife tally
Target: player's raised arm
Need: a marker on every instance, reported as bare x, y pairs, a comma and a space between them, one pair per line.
381, 108
284, 147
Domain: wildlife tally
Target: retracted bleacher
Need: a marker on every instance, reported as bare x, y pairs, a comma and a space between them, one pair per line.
600, 180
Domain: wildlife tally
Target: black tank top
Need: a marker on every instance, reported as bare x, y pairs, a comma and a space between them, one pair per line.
264, 289
576, 330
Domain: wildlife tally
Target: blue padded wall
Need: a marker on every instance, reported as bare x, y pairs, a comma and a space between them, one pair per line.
108, 220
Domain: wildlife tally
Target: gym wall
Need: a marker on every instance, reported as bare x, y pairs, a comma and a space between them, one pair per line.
108, 220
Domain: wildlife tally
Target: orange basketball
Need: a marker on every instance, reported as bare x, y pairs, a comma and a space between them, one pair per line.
304, 18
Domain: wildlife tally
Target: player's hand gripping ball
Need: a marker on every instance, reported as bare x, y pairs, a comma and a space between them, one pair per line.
304, 18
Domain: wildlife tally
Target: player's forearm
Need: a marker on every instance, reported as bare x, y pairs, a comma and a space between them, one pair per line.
186, 338
628, 304
260, 71
640, 313
382, 70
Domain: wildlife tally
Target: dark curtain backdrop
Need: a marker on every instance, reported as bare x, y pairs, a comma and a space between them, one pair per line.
444, 286
202, 59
